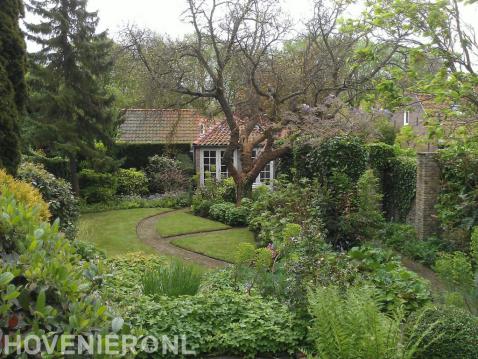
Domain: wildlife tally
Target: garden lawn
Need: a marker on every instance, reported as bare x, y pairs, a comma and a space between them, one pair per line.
220, 245
115, 231
179, 223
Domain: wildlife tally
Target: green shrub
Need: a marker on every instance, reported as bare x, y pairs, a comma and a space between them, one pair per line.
229, 213
43, 287
459, 274
454, 334
97, 187
166, 175
353, 326
88, 251
219, 323
172, 280
398, 179
132, 182
213, 192
271, 211
24, 193
56, 192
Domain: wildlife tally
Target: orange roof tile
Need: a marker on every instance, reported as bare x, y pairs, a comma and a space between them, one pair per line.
160, 126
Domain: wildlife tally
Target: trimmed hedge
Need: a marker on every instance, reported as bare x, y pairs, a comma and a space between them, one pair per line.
229, 213
345, 155
398, 177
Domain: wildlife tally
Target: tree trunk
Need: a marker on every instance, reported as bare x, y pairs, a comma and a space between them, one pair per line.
75, 183
243, 190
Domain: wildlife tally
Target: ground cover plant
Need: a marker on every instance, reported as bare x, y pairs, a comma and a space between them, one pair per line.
115, 231
220, 245
179, 223
215, 322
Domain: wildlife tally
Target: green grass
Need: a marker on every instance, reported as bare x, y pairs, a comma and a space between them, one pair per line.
115, 231
185, 223
219, 245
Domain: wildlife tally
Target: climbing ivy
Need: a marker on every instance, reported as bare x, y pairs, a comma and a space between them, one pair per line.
398, 176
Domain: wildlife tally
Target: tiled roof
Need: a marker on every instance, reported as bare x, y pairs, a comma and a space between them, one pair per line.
160, 126
217, 135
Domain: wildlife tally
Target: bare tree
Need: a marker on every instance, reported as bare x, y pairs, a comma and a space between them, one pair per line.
243, 54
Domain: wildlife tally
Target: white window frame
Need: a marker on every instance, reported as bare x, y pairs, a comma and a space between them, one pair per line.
218, 174
269, 168
257, 182
406, 118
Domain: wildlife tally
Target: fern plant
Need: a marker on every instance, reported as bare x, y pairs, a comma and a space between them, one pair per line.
352, 326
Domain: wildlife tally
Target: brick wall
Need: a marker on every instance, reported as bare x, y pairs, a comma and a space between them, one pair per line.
428, 187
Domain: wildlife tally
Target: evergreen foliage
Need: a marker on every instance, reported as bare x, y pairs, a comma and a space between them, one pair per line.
70, 104
12, 82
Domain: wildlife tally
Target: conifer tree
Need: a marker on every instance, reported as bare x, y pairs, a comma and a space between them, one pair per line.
70, 105
12, 82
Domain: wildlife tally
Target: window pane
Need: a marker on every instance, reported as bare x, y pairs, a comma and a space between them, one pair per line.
209, 161
224, 170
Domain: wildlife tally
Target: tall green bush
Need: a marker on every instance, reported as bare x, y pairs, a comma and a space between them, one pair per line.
398, 179
368, 218
459, 271
56, 192
401, 187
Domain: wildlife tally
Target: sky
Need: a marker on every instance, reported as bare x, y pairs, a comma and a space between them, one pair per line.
164, 16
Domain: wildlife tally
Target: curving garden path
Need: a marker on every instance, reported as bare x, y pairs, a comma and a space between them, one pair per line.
146, 231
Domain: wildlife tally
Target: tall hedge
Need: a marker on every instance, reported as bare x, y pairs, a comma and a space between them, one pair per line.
346, 155
12, 82
398, 176
458, 200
